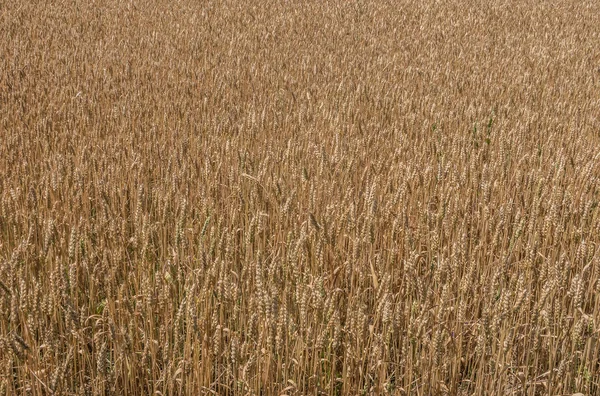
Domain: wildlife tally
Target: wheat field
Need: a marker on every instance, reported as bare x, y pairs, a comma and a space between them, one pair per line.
299, 197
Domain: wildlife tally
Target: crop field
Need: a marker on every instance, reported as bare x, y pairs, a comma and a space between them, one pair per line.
300, 197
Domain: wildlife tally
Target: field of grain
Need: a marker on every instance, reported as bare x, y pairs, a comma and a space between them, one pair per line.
299, 197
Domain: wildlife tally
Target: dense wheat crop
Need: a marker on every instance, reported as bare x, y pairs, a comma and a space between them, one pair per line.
299, 197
